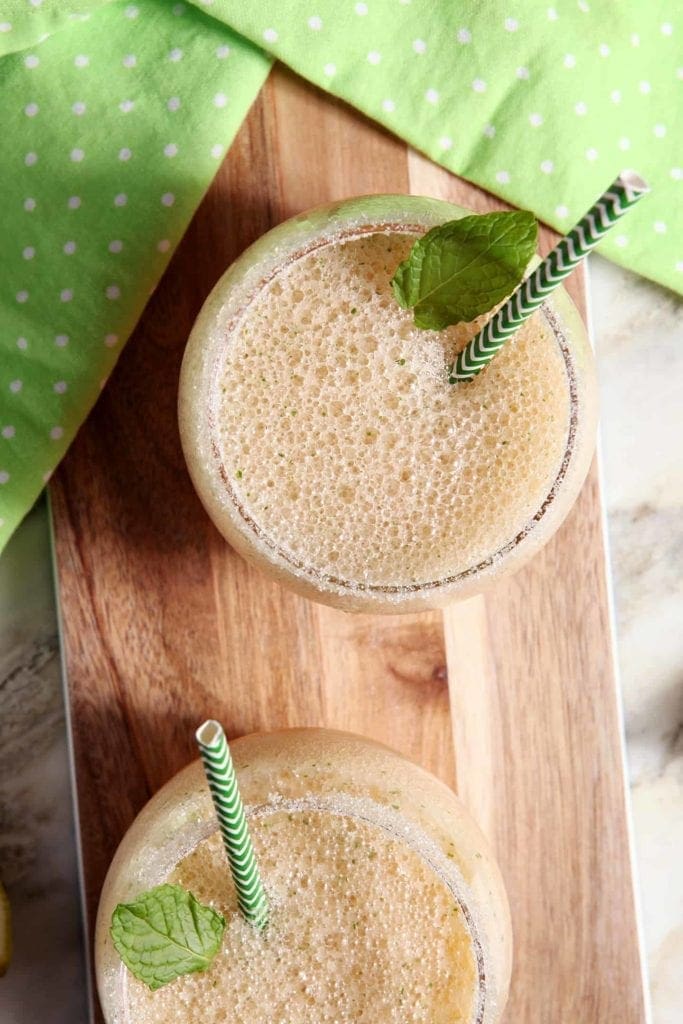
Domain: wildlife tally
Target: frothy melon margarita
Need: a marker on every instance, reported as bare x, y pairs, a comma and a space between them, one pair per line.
326, 443
385, 903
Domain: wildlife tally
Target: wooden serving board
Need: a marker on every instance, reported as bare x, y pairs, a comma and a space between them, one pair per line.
510, 697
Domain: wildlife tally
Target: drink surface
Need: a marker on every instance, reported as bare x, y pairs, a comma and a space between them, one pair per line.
346, 447
362, 929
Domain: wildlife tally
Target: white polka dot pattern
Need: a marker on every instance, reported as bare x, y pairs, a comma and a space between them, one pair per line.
102, 175
554, 103
577, 95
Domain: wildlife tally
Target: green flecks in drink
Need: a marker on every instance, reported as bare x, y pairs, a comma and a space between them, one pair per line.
239, 474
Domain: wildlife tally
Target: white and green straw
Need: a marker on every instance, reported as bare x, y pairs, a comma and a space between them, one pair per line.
220, 774
567, 254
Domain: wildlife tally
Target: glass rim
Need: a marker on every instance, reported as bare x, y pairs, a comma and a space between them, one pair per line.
345, 805
328, 582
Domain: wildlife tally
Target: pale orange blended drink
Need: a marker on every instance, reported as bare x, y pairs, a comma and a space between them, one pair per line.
385, 902
326, 443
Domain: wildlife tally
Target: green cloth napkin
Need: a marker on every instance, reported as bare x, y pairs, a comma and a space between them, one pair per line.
116, 116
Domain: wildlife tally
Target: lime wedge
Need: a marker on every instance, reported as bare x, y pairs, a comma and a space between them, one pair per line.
5, 931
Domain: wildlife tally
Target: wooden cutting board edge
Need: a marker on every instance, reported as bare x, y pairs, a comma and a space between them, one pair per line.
612, 634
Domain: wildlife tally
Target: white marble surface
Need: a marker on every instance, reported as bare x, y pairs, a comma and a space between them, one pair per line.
639, 336
639, 341
46, 981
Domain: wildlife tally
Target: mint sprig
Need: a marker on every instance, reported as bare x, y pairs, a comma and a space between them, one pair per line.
461, 269
166, 932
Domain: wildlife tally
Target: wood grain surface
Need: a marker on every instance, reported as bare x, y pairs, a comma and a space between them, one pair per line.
509, 697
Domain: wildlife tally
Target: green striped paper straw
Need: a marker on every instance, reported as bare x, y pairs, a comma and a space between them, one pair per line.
220, 774
622, 194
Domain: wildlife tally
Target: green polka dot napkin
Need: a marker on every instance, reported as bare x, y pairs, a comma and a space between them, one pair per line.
116, 115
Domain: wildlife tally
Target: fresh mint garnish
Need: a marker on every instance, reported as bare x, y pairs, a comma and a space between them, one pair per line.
166, 932
461, 269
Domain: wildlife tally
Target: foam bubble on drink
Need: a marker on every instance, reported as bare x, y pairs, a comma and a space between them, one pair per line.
347, 447
362, 930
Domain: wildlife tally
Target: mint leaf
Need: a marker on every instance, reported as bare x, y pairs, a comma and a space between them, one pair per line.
464, 267
166, 932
